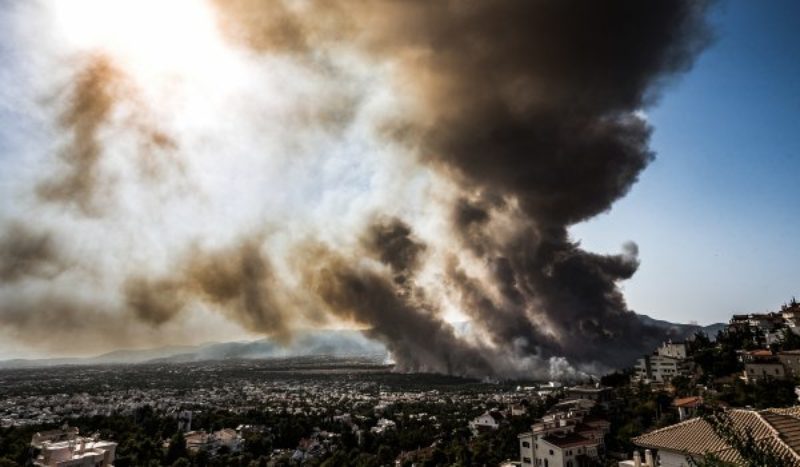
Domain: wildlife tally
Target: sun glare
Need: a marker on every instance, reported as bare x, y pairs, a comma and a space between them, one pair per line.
148, 37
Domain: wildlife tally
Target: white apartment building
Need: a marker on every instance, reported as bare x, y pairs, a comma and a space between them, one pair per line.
571, 450
64, 448
487, 421
667, 362
673, 349
566, 437
657, 368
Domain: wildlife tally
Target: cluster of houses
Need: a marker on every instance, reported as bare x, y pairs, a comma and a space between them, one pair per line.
673, 359
764, 364
777, 430
212, 442
315, 446
568, 435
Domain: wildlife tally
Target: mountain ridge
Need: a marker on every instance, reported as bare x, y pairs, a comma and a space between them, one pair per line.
332, 343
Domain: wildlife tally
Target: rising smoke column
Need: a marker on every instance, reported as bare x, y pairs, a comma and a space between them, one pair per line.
524, 117
532, 109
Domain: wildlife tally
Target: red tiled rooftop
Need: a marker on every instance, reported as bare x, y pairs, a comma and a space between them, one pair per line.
773, 429
688, 402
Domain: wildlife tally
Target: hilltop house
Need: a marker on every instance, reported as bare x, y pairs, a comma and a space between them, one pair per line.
489, 420
676, 445
768, 325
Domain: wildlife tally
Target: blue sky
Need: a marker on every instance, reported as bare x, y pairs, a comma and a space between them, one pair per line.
717, 215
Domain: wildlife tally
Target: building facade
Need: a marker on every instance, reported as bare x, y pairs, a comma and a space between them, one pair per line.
66, 448
567, 436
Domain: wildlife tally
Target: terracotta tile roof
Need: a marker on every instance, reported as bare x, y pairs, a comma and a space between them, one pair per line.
688, 402
591, 420
793, 411
787, 425
569, 440
780, 432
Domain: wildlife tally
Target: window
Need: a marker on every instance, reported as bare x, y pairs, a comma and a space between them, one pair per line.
526, 460
551, 452
526, 444
546, 464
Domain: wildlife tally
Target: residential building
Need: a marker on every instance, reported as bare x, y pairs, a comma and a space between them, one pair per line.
54, 436
768, 327
383, 426
65, 448
673, 349
761, 371
565, 437
212, 442
518, 410
598, 394
657, 368
791, 315
185, 421
676, 445
637, 460
791, 362
489, 420
755, 356
527, 449
687, 406
668, 361
567, 450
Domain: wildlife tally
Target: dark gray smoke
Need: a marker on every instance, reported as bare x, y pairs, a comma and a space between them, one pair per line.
391, 241
532, 108
239, 280
417, 339
27, 253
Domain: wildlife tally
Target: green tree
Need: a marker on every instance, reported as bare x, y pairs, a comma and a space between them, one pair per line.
789, 341
682, 385
338, 459
177, 448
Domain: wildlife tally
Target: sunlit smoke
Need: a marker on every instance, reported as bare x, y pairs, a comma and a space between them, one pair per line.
218, 169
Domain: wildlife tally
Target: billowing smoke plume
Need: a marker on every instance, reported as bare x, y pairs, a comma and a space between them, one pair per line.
415, 158
239, 280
